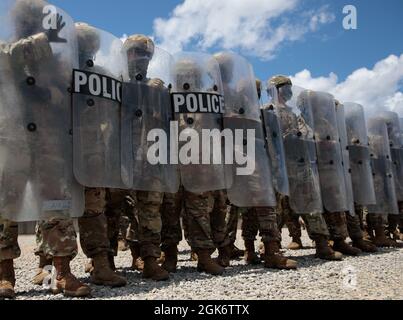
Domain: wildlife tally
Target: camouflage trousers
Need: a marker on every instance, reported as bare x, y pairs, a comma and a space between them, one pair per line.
205, 219
395, 222
261, 220
171, 212
232, 223
119, 203
315, 223
9, 248
375, 221
58, 238
337, 224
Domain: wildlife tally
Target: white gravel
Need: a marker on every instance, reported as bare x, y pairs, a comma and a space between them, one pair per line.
375, 276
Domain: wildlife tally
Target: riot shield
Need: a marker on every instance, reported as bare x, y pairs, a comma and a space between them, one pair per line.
274, 137
198, 107
300, 151
396, 148
250, 182
360, 163
97, 108
37, 56
146, 119
341, 125
386, 201
328, 149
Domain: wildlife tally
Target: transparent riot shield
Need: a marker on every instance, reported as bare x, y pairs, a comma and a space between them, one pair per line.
341, 125
396, 149
97, 108
360, 163
249, 176
385, 192
146, 117
198, 107
300, 150
275, 147
328, 149
37, 57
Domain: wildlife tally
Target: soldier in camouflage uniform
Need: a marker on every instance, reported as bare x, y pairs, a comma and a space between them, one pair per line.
233, 216
93, 226
58, 232
148, 203
315, 223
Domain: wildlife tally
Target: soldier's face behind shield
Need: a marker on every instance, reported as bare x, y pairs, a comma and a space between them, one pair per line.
285, 93
139, 60
28, 15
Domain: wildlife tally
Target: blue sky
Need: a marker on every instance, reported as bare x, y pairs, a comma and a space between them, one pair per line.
322, 50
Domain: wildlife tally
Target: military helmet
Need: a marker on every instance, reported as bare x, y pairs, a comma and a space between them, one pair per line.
28, 16
279, 81
88, 38
141, 44
226, 64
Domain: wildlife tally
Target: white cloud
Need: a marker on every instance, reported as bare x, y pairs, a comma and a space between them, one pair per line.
376, 89
257, 27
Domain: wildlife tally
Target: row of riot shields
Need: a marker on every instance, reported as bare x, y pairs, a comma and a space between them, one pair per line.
87, 110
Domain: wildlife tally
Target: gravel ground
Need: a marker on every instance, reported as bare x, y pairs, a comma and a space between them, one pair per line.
376, 276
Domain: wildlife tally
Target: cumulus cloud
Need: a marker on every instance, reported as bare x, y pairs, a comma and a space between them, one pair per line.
256, 27
376, 89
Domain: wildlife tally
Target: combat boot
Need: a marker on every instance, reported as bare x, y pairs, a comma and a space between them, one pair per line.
171, 258
66, 282
41, 274
275, 260
235, 252
324, 251
7, 279
103, 275
111, 259
364, 246
224, 256
251, 257
153, 271
296, 244
382, 241
208, 265
344, 248
138, 263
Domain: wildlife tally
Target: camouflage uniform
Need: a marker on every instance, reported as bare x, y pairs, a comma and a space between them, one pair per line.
57, 237
355, 224
205, 214
171, 233
263, 220
315, 223
232, 223
9, 248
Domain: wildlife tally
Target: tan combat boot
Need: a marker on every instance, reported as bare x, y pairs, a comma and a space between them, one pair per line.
171, 258
153, 271
344, 248
364, 246
41, 274
224, 256
138, 263
296, 244
7, 279
207, 264
251, 257
89, 266
275, 260
103, 275
324, 251
382, 241
193, 256
66, 282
